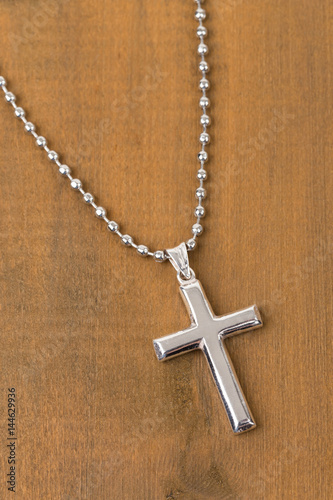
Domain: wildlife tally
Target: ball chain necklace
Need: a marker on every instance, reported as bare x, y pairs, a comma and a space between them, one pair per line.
207, 331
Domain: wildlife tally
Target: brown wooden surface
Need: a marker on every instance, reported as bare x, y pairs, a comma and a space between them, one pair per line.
112, 86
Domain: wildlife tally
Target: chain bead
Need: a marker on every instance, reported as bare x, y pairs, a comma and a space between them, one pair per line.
202, 49
29, 127
200, 14
203, 66
197, 229
19, 112
64, 170
143, 250
159, 256
100, 212
10, 97
127, 240
76, 184
199, 211
204, 138
205, 120
200, 193
204, 84
191, 244
2, 81
202, 31
204, 102
88, 198
203, 156
113, 226
41, 141
202, 174
53, 156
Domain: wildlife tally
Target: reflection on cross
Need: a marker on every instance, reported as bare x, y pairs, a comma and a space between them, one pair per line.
208, 332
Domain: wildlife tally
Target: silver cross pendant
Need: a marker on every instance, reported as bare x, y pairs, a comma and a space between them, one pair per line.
208, 333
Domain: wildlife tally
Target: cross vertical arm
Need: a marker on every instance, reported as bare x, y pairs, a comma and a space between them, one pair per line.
196, 303
227, 383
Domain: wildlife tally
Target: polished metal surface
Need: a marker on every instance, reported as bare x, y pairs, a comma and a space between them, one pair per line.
208, 333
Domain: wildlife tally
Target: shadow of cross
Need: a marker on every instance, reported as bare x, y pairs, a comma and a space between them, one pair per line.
208, 332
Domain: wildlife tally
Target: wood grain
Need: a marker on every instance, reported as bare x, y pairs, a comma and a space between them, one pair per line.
112, 87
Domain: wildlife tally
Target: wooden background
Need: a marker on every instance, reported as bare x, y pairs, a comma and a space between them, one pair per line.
112, 85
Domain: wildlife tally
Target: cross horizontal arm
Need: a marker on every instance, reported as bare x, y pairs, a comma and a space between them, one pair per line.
239, 322
177, 343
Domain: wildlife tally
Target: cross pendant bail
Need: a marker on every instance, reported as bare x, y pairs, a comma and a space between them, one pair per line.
179, 259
